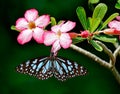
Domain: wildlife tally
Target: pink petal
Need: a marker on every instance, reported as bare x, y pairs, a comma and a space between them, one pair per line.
21, 24
42, 21
118, 18
65, 40
56, 46
31, 14
114, 24
49, 38
69, 25
24, 37
38, 35
56, 28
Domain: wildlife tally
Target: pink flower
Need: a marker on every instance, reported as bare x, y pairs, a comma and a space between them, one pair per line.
31, 25
114, 27
114, 24
58, 36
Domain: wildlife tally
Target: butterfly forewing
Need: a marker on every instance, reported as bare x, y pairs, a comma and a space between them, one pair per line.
64, 69
39, 67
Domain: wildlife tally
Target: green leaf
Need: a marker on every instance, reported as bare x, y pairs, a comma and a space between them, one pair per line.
77, 40
53, 21
96, 45
98, 14
14, 28
111, 17
82, 17
117, 5
93, 1
94, 23
100, 11
106, 38
60, 22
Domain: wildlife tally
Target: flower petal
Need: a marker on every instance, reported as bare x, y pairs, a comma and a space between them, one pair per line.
38, 35
118, 18
42, 21
31, 14
65, 40
114, 24
24, 37
21, 24
56, 28
49, 38
56, 46
69, 25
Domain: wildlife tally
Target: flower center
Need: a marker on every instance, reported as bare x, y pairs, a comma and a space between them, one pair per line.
59, 33
31, 25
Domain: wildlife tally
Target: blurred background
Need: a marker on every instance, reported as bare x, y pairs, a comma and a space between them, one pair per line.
99, 80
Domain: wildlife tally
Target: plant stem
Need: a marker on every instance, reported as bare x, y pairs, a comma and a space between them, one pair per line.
99, 60
108, 52
116, 74
92, 56
116, 46
117, 51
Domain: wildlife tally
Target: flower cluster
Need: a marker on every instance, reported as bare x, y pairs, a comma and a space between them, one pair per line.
33, 26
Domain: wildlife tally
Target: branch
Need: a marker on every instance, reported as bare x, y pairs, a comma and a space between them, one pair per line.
117, 51
116, 74
116, 46
108, 52
92, 56
100, 61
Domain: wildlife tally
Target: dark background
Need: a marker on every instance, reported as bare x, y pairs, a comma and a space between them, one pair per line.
99, 79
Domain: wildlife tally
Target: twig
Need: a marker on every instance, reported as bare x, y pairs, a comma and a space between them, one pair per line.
92, 56
116, 74
99, 60
108, 52
117, 51
116, 46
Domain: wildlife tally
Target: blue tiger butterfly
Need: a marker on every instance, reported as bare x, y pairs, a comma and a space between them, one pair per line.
46, 67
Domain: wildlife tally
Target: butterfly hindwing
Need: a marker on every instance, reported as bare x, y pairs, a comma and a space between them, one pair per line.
64, 69
38, 67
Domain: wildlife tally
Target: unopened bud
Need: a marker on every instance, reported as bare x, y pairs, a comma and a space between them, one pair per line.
73, 35
84, 34
111, 31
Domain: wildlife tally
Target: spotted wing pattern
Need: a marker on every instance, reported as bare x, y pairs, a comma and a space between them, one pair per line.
64, 69
46, 67
39, 67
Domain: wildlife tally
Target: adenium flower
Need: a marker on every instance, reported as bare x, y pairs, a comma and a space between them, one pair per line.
31, 25
114, 27
58, 36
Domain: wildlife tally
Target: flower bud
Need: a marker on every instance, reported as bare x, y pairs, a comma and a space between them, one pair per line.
84, 34
111, 31
73, 35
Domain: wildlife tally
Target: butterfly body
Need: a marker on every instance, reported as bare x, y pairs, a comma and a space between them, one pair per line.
45, 67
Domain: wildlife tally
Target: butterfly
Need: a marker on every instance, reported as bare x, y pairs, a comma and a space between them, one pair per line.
45, 67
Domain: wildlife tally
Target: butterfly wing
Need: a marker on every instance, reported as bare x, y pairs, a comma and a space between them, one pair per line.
38, 67
64, 69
